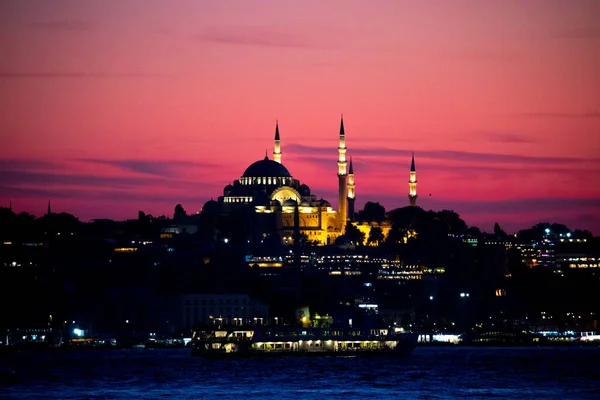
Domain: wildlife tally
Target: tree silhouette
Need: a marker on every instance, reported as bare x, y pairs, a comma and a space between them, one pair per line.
499, 233
354, 234
375, 236
456, 226
373, 212
179, 213
474, 232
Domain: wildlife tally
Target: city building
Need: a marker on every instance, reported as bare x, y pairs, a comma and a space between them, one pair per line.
226, 309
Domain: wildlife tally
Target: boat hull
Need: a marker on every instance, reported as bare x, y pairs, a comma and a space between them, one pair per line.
404, 346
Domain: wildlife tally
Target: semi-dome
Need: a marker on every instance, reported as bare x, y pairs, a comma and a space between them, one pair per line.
324, 203
289, 203
304, 190
266, 168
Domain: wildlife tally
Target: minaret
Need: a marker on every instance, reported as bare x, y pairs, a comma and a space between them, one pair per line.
277, 149
412, 183
342, 178
49, 212
351, 191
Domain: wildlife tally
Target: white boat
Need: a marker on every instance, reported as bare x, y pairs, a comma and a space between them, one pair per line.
281, 341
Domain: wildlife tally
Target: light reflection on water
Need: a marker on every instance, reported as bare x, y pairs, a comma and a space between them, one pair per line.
430, 372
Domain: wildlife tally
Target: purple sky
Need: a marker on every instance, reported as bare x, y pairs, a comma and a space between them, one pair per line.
107, 108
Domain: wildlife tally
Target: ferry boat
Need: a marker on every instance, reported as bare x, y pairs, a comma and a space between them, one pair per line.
287, 341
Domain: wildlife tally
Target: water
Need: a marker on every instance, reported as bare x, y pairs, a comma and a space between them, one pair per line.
429, 373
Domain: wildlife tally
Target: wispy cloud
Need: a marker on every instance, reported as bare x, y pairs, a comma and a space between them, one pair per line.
95, 195
483, 55
507, 137
453, 155
19, 164
538, 204
66, 25
152, 167
74, 75
260, 36
23, 178
579, 33
582, 115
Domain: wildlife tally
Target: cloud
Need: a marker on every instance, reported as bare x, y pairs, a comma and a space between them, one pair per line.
374, 166
562, 115
65, 25
11, 191
16, 164
536, 204
37, 175
23, 178
579, 33
151, 167
451, 155
73, 75
484, 54
507, 137
260, 36
93, 195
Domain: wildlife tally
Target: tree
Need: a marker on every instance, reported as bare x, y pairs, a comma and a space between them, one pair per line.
373, 212
499, 233
354, 234
456, 226
375, 236
179, 213
474, 232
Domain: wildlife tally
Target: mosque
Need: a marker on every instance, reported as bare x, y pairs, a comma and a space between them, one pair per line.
267, 190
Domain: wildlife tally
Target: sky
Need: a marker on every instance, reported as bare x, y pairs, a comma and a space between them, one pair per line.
107, 108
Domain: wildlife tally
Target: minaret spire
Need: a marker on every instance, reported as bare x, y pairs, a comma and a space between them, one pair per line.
277, 147
412, 183
351, 191
49, 212
342, 187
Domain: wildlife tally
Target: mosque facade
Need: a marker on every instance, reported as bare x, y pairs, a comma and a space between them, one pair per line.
269, 192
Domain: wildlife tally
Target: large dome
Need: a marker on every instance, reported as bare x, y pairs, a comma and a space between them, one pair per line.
266, 168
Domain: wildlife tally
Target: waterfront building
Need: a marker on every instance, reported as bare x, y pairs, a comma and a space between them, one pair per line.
221, 309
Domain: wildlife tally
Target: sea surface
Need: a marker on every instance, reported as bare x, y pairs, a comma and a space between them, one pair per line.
429, 373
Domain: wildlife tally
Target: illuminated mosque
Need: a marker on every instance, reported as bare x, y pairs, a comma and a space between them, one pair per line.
268, 190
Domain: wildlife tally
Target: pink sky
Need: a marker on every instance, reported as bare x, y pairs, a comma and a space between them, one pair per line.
107, 108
